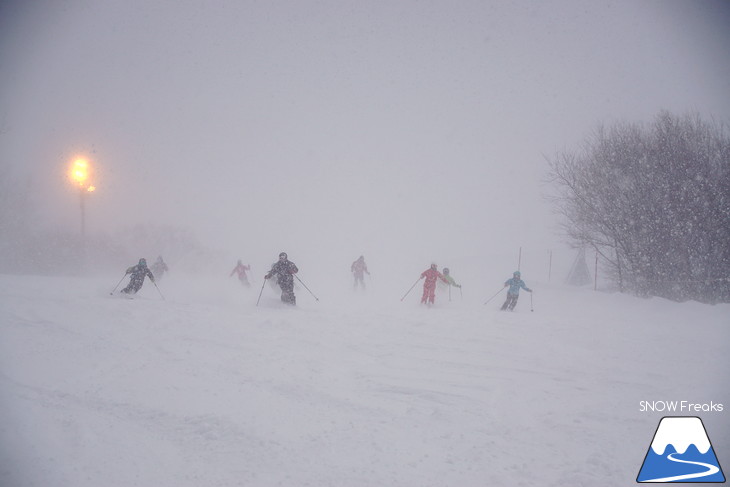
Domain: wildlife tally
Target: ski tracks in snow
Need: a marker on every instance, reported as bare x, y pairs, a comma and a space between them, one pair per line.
190, 391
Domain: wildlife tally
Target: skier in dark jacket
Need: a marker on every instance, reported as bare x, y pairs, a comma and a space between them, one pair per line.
359, 268
138, 273
284, 269
513, 293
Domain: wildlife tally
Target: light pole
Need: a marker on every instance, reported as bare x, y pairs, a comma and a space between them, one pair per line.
80, 173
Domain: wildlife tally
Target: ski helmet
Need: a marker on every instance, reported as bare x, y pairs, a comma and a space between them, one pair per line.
283, 254
517, 274
143, 262
446, 270
434, 266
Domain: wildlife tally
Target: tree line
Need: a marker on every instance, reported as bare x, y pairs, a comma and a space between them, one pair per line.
654, 201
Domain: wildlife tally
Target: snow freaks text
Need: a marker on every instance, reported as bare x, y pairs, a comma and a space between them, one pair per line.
679, 407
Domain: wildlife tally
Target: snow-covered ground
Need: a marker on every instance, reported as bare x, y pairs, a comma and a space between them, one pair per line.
203, 388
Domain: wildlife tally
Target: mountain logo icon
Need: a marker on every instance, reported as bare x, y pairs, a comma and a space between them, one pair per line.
681, 452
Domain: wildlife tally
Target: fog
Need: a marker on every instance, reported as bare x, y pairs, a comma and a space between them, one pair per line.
406, 131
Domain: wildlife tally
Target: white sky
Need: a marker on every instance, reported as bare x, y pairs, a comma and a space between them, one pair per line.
349, 126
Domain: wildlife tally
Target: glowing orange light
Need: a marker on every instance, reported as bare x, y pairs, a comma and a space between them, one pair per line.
80, 173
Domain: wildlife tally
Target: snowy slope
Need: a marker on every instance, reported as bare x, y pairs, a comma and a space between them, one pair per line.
205, 389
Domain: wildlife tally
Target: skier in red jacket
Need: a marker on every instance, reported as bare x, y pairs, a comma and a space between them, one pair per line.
241, 269
429, 285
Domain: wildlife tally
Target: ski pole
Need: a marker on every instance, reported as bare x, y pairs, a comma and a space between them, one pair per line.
305, 287
488, 300
261, 292
531, 308
120, 281
158, 290
449, 292
414, 285
461, 293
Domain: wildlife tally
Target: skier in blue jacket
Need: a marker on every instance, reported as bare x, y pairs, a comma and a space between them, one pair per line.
513, 293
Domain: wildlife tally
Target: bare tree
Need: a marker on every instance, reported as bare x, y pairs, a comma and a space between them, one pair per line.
654, 202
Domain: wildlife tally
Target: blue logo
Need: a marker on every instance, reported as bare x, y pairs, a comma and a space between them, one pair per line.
681, 452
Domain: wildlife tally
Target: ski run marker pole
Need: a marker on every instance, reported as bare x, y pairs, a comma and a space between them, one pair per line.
414, 285
488, 300
305, 287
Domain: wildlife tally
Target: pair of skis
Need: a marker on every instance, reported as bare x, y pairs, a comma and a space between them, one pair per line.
123, 277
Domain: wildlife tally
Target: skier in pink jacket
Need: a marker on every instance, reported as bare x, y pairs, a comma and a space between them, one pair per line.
429, 285
241, 269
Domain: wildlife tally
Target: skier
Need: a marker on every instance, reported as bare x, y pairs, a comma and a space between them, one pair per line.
450, 279
138, 272
284, 270
359, 269
513, 293
450, 282
241, 269
429, 285
159, 268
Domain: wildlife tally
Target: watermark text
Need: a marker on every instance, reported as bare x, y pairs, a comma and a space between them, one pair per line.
679, 407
